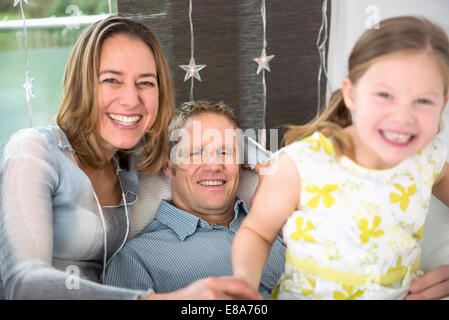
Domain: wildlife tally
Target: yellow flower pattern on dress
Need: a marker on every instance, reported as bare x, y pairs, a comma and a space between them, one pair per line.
349, 295
319, 143
363, 226
404, 197
324, 192
418, 234
398, 267
302, 233
312, 283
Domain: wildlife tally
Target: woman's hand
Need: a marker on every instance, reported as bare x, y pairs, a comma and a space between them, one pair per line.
222, 288
432, 285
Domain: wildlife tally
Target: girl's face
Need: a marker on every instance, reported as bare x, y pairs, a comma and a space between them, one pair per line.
128, 92
397, 106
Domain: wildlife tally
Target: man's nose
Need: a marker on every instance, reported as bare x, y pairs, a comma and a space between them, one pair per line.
212, 161
129, 95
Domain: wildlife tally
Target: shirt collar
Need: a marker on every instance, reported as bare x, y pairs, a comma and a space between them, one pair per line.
185, 224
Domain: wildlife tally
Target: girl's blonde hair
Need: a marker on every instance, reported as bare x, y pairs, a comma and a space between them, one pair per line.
78, 114
405, 33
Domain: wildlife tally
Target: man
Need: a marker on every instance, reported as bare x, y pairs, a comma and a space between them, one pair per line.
191, 236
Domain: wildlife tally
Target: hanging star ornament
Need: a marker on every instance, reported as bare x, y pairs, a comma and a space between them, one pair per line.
263, 61
192, 69
16, 2
28, 85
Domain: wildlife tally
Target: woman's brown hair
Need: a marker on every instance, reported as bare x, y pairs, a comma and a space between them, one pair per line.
78, 114
397, 34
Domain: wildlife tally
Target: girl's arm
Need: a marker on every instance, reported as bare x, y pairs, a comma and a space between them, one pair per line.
277, 197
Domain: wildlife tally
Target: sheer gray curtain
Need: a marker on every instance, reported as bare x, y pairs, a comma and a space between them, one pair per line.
228, 35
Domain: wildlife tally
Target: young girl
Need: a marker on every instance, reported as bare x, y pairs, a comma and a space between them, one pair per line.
351, 197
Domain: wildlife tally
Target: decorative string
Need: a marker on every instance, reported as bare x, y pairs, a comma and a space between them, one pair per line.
262, 66
28, 85
263, 138
192, 46
192, 69
321, 46
264, 22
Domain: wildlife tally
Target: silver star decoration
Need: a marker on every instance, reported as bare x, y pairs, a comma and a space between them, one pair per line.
28, 85
263, 61
192, 69
17, 1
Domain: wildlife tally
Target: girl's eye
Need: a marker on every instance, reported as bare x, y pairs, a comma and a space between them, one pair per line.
424, 101
384, 95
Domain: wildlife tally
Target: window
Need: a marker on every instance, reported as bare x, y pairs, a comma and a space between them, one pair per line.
52, 27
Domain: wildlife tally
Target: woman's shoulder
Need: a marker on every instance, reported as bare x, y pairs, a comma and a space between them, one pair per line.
31, 140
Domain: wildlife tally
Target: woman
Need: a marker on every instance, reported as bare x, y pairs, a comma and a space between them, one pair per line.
66, 189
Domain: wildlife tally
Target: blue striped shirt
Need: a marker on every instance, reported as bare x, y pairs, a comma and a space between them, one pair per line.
178, 248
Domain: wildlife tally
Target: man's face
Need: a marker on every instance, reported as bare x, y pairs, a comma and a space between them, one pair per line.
206, 181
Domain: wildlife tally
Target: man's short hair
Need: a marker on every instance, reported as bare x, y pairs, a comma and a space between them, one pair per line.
194, 108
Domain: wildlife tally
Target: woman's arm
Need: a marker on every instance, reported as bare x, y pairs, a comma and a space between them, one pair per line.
28, 181
277, 197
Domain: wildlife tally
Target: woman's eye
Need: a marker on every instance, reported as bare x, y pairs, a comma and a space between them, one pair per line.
110, 80
147, 83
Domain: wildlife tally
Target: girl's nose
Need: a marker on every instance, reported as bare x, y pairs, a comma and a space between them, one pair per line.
403, 113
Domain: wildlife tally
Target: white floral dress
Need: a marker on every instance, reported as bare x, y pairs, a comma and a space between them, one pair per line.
358, 233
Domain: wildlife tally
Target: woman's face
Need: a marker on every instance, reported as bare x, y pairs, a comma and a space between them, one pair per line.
128, 92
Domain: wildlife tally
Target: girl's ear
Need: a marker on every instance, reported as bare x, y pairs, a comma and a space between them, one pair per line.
347, 90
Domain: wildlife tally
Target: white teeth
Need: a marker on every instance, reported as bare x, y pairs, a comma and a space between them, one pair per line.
124, 120
397, 137
211, 182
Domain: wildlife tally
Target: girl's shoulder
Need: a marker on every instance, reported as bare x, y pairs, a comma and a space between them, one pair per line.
317, 145
433, 155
